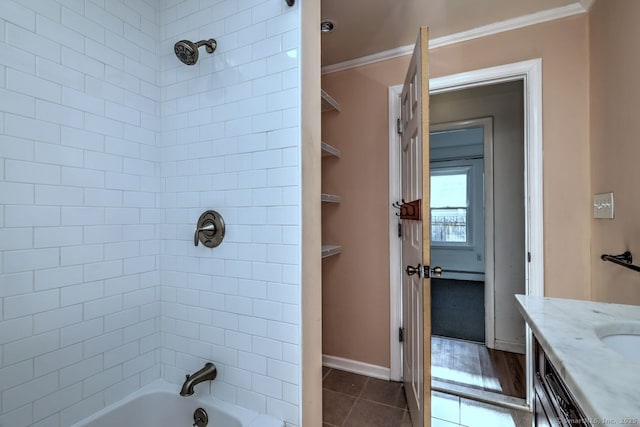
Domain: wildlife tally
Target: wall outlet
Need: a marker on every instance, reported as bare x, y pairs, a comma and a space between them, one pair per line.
603, 205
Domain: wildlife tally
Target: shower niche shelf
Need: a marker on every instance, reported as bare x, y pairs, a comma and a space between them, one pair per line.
328, 103
330, 250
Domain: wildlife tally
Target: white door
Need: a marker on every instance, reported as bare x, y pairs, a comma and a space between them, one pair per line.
416, 305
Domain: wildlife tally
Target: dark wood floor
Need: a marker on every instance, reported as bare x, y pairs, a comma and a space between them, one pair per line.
474, 365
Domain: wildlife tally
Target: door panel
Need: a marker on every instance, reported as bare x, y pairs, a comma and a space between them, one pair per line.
416, 236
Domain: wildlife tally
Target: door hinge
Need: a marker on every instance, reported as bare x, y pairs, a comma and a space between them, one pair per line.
401, 334
399, 128
528, 256
400, 230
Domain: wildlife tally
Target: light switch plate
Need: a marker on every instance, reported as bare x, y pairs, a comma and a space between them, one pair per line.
603, 205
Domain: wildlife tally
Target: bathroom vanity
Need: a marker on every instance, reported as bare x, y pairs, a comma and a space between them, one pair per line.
581, 378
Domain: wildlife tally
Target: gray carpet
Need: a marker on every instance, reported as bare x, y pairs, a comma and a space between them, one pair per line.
457, 309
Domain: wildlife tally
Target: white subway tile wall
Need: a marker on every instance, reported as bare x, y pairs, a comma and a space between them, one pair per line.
228, 143
110, 149
79, 186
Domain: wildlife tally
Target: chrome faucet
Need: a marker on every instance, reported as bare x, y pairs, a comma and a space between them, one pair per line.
208, 373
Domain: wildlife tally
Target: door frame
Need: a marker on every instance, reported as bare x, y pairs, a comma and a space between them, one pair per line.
395, 243
530, 72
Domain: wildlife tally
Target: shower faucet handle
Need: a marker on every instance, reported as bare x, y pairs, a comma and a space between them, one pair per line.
207, 227
210, 229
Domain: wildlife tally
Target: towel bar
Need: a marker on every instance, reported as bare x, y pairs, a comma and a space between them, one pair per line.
625, 259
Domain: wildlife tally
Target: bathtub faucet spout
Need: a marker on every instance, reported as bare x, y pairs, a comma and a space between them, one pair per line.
208, 373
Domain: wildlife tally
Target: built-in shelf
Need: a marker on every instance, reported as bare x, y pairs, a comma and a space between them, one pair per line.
330, 198
328, 103
329, 150
330, 250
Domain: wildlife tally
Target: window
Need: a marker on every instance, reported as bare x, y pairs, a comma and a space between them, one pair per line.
457, 210
450, 206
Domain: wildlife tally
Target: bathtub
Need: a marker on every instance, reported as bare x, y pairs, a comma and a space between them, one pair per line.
159, 405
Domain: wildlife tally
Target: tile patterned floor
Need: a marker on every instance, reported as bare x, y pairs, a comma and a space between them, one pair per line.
352, 400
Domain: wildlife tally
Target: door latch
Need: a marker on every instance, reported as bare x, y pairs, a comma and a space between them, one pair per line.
424, 271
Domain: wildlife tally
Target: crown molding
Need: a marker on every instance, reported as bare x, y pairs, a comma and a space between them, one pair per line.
586, 4
369, 59
508, 25
484, 31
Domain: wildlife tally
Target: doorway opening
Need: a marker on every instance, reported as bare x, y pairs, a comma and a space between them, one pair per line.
461, 168
489, 367
478, 238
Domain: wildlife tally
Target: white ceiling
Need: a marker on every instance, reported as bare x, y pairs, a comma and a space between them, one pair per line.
364, 27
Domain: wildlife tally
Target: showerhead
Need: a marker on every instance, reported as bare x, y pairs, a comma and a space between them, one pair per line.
187, 51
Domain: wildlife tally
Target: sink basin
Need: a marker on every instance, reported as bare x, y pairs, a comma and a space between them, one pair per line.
627, 345
623, 338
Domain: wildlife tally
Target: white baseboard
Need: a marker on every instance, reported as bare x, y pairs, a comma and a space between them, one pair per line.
356, 367
512, 347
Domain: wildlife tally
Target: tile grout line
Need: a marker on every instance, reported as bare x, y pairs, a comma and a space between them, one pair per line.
355, 402
363, 387
326, 375
388, 405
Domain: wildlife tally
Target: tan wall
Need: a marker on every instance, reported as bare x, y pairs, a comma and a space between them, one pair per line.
355, 284
615, 146
563, 47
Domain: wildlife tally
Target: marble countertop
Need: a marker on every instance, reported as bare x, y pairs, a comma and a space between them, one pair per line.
605, 384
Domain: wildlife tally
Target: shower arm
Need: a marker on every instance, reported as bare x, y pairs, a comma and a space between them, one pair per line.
210, 45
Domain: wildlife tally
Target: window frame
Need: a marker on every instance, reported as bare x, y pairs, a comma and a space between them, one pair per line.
475, 183
467, 170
